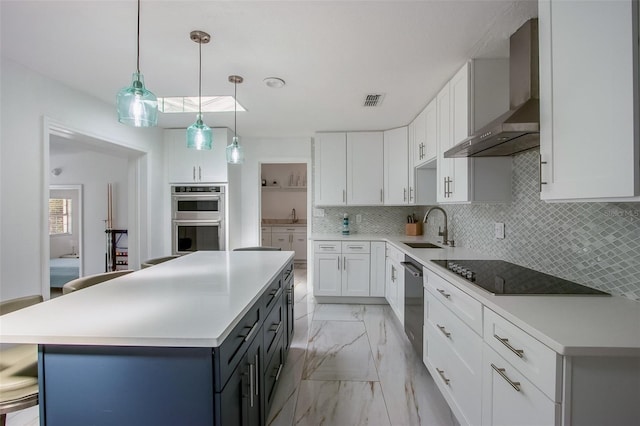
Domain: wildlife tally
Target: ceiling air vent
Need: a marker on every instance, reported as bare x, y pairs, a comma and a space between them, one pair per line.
373, 99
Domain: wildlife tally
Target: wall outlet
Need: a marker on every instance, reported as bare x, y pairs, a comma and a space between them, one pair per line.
498, 230
318, 212
358, 218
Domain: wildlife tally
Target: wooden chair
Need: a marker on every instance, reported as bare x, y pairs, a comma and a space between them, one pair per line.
157, 260
18, 368
89, 280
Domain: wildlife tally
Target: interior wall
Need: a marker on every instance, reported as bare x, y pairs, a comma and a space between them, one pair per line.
66, 243
278, 203
95, 171
27, 98
266, 150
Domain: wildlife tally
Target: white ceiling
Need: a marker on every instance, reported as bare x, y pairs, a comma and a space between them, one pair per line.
331, 53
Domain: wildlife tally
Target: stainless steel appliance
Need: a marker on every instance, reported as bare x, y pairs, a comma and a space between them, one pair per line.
413, 302
504, 278
198, 218
519, 128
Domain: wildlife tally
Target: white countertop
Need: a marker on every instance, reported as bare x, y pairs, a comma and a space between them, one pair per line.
192, 301
570, 325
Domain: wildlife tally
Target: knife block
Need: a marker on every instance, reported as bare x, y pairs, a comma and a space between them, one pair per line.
413, 228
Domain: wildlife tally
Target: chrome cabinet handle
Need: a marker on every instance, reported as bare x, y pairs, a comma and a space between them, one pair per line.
500, 371
393, 273
251, 383
356, 247
405, 195
411, 193
253, 328
278, 373
328, 247
540, 182
505, 341
444, 330
257, 375
445, 294
444, 190
194, 173
338, 263
199, 173
441, 373
344, 263
277, 329
344, 196
381, 195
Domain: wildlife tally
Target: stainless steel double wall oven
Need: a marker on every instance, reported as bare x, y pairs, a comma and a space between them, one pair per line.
197, 218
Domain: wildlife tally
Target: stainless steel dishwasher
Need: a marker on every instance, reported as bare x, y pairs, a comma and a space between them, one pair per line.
413, 302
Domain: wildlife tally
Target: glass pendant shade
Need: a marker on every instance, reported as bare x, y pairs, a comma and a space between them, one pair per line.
235, 153
199, 135
136, 105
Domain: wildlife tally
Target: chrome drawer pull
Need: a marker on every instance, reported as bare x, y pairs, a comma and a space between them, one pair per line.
257, 375
441, 373
500, 371
253, 328
278, 373
505, 342
276, 329
444, 330
442, 292
328, 247
356, 247
251, 384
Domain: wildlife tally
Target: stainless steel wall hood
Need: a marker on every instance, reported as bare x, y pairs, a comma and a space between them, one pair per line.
518, 129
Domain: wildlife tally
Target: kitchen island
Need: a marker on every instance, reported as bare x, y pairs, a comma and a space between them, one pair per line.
199, 340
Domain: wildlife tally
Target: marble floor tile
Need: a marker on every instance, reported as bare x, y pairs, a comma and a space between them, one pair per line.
411, 395
338, 312
340, 403
339, 350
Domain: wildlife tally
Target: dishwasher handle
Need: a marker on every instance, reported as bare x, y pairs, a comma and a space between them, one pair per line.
413, 269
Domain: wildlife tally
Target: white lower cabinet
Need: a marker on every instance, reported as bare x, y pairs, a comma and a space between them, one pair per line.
394, 285
341, 268
452, 353
509, 398
291, 238
377, 274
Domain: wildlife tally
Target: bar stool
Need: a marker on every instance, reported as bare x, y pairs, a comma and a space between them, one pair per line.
89, 280
18, 368
157, 260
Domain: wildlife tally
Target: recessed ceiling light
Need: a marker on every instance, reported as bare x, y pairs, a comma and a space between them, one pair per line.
190, 104
274, 82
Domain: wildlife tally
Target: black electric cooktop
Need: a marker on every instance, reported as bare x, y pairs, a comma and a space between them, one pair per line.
504, 278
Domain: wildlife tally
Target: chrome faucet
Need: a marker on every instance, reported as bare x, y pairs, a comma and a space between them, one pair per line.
444, 233
293, 216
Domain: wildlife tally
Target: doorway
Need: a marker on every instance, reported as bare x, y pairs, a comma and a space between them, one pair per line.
91, 166
284, 207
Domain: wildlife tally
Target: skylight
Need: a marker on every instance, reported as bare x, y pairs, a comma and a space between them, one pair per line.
190, 104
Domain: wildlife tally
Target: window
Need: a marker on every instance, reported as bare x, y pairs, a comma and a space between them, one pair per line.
59, 216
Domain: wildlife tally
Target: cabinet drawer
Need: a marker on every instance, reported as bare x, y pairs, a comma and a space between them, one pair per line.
289, 229
229, 354
272, 372
464, 306
452, 375
266, 229
273, 327
327, 247
272, 294
509, 398
395, 254
458, 337
287, 273
541, 365
356, 247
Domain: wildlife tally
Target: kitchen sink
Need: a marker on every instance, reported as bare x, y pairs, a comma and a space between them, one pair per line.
421, 245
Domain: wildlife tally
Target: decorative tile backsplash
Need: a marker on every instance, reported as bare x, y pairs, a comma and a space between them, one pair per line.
595, 244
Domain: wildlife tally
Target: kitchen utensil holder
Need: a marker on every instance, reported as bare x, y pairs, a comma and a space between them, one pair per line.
413, 228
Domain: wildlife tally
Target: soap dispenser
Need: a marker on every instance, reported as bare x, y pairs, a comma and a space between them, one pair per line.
345, 224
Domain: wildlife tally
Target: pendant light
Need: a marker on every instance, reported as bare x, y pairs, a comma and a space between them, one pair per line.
136, 105
235, 153
199, 135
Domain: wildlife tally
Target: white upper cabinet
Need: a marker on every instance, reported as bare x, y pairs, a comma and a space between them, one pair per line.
330, 159
425, 142
349, 169
476, 94
185, 165
589, 100
365, 168
396, 166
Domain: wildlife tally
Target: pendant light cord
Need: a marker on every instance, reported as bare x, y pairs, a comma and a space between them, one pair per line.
235, 108
200, 80
138, 35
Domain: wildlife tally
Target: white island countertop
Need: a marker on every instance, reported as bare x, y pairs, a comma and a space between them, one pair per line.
570, 325
192, 301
